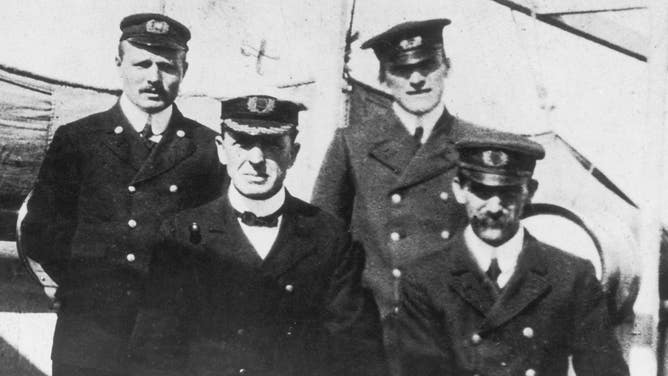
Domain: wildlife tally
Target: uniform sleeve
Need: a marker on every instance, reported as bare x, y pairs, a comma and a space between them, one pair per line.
334, 190
160, 339
421, 348
352, 321
51, 220
596, 350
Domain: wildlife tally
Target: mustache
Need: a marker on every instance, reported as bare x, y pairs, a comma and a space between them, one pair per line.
418, 91
152, 90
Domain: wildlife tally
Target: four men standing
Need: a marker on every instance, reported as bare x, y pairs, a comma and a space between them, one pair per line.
259, 281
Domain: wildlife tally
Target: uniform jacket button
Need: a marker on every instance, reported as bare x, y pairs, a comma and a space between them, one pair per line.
396, 198
241, 331
530, 372
289, 288
395, 236
130, 257
242, 370
476, 339
396, 310
132, 223
396, 273
443, 196
173, 188
132, 189
118, 130
445, 234
180, 133
527, 332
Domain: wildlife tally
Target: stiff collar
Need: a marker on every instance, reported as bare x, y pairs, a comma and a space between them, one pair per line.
506, 253
137, 117
426, 121
260, 208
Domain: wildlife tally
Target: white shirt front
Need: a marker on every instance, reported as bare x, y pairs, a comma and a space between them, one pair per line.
426, 121
262, 238
137, 118
506, 254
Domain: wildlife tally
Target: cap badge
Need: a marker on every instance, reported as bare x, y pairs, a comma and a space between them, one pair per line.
494, 158
407, 44
157, 27
261, 105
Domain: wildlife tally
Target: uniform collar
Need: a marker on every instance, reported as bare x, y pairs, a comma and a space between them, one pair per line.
137, 117
260, 208
426, 121
506, 253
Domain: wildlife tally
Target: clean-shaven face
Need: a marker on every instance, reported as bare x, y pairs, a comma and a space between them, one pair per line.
418, 88
257, 165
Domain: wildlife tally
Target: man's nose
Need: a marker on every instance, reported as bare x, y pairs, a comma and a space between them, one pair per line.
255, 155
416, 79
493, 204
153, 74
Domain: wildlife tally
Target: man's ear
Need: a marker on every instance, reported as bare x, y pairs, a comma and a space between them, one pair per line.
185, 68
296, 146
532, 186
458, 190
222, 157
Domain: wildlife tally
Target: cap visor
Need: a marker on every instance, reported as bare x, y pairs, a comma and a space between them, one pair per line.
494, 180
413, 57
157, 42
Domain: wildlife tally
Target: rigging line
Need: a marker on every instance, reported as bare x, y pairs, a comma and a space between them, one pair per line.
347, 89
531, 53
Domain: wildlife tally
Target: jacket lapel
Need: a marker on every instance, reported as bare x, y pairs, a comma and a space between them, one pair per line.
466, 277
175, 146
527, 285
434, 157
227, 238
126, 144
392, 145
294, 241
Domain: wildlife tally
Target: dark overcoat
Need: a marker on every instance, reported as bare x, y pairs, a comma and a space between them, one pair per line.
395, 196
553, 307
214, 307
97, 205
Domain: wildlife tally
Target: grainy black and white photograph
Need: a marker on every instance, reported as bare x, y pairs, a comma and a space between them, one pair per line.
333, 188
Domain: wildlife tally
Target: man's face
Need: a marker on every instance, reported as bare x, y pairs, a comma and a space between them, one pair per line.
257, 164
417, 88
494, 212
151, 77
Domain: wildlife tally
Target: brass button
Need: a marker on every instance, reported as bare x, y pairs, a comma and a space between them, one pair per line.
173, 188
242, 370
180, 133
527, 332
289, 288
395, 236
396, 273
530, 372
130, 257
289, 331
118, 130
132, 223
476, 339
445, 234
132, 189
396, 198
241, 332
396, 310
443, 196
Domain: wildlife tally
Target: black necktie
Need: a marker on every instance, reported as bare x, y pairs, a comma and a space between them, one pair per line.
146, 133
417, 136
494, 271
250, 219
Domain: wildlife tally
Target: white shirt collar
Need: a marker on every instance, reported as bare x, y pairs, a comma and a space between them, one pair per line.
506, 253
137, 117
258, 207
427, 121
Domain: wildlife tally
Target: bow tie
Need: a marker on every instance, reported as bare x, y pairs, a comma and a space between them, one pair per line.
250, 219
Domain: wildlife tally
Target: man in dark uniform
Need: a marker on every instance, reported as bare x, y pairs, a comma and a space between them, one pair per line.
389, 178
496, 301
257, 281
107, 182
